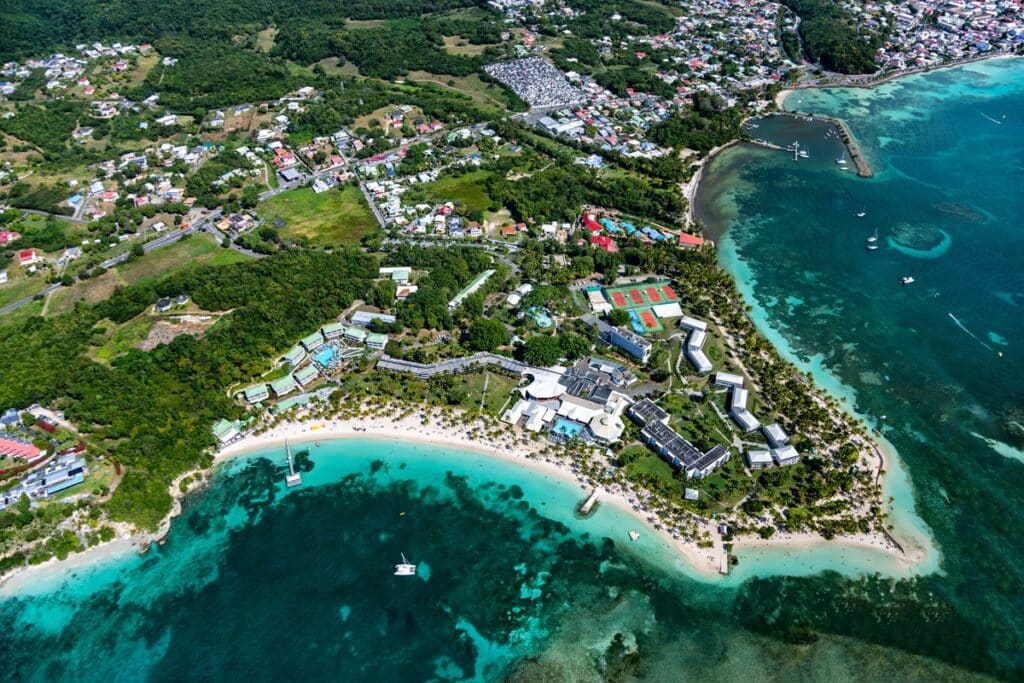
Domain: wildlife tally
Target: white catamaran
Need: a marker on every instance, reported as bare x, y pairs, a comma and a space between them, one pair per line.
405, 568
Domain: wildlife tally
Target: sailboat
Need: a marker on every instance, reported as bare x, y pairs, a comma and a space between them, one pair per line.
862, 213
873, 241
405, 568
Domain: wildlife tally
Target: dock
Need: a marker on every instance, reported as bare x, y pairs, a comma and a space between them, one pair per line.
590, 502
852, 148
723, 565
293, 478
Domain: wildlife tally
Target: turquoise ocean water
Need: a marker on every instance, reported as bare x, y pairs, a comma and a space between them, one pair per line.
937, 365
260, 583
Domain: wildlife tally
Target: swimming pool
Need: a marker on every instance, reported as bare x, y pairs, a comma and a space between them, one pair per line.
541, 317
567, 428
326, 356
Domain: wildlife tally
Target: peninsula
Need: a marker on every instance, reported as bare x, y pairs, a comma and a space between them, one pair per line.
207, 240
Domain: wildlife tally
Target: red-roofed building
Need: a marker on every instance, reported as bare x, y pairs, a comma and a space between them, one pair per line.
603, 242
590, 224
8, 236
688, 240
17, 449
27, 257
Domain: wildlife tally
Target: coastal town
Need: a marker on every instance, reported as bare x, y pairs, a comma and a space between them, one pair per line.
510, 244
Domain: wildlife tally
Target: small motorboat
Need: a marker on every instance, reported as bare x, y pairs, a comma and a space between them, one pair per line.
906, 280
633, 535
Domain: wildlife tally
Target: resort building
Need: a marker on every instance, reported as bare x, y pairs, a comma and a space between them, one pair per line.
739, 413
518, 293
688, 323
645, 412
536, 414
225, 432
400, 274
295, 356
333, 330
786, 455
630, 342
695, 352
313, 341
62, 473
283, 386
776, 436
364, 318
729, 380
377, 341
598, 304
13, 448
305, 375
674, 449
757, 459
256, 394
470, 289
355, 334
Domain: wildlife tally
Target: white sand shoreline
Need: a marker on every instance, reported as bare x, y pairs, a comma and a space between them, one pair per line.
701, 563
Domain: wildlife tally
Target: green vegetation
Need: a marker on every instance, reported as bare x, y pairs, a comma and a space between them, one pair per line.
486, 334
707, 125
467, 190
153, 410
832, 38
47, 126
189, 252
336, 217
122, 338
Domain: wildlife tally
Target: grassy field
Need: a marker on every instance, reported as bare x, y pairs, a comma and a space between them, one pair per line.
458, 45
121, 338
486, 94
196, 250
332, 218
468, 189
20, 285
265, 39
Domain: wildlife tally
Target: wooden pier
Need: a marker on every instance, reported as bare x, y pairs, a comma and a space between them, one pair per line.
590, 502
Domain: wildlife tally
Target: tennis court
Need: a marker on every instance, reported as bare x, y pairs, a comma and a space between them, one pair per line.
641, 295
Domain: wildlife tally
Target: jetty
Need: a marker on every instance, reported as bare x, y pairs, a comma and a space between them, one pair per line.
863, 168
590, 502
293, 478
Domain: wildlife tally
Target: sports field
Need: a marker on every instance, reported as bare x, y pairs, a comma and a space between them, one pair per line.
643, 295
638, 299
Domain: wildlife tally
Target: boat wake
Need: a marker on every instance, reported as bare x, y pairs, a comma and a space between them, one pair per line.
972, 335
998, 123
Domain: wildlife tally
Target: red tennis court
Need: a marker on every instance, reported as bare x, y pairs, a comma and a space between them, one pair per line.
670, 293
653, 296
618, 299
636, 296
648, 319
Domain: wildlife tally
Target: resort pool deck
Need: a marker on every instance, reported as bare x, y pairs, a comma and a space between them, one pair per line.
541, 317
326, 356
567, 429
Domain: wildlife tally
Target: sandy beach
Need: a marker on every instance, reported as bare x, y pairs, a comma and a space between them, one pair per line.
511, 447
434, 427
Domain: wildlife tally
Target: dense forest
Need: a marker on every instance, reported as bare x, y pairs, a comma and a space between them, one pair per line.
832, 39
708, 124
153, 410
31, 27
